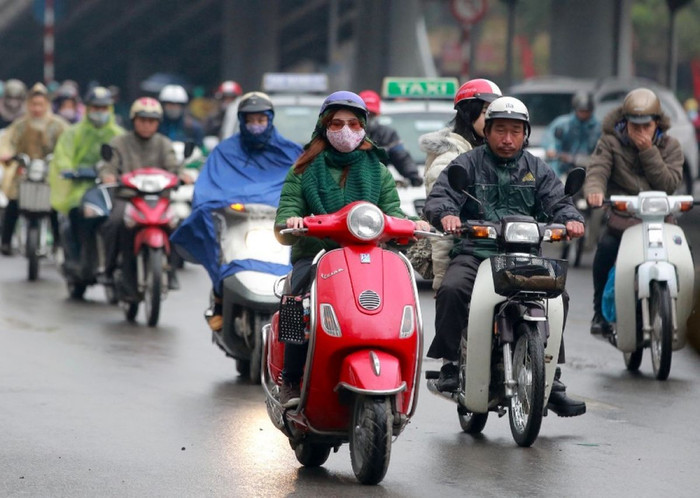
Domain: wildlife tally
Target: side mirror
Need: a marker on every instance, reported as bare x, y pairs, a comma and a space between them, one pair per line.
106, 152
574, 181
457, 177
189, 149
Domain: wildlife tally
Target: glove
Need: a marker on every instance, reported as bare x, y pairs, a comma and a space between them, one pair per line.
416, 181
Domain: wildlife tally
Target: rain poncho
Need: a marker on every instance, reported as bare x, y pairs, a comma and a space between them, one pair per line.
234, 173
78, 147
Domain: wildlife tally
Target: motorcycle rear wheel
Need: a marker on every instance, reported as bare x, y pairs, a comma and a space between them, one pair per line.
153, 259
633, 360
661, 329
32, 250
527, 404
370, 438
312, 454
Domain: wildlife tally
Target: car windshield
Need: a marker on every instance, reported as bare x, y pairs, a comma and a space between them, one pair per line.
296, 122
411, 125
545, 107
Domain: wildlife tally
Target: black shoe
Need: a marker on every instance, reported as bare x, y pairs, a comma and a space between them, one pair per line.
6, 250
600, 327
173, 282
449, 378
560, 403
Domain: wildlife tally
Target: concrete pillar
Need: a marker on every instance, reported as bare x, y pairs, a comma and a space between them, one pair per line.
372, 45
409, 53
591, 39
249, 41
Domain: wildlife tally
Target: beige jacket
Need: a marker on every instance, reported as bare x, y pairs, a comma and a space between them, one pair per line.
36, 138
441, 147
132, 152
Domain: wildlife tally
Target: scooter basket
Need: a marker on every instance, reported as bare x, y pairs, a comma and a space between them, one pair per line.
513, 274
293, 320
34, 197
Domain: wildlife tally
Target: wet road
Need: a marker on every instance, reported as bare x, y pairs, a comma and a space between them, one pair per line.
93, 406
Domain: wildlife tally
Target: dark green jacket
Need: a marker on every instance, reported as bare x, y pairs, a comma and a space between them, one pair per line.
523, 186
293, 202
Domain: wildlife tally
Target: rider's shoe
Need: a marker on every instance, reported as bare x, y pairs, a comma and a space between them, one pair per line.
600, 326
6, 250
290, 394
173, 282
449, 378
560, 403
214, 315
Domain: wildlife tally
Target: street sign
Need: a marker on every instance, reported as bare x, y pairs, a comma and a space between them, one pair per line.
468, 11
419, 88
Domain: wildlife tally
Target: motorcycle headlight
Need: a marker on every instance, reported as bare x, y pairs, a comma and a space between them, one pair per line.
655, 205
366, 221
150, 183
525, 233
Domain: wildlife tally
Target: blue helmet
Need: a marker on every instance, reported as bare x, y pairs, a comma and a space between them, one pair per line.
344, 98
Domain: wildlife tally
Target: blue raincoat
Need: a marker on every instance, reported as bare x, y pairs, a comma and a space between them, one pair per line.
235, 172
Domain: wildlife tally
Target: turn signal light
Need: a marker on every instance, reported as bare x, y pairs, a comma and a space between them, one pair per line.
686, 206
557, 234
620, 205
237, 206
482, 232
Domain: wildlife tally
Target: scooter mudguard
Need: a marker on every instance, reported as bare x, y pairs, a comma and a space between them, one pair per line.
152, 237
480, 336
371, 372
633, 272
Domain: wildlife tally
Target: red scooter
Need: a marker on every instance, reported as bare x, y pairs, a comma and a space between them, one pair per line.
365, 342
151, 216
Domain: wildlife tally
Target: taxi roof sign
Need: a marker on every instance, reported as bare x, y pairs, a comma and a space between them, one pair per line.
295, 82
419, 88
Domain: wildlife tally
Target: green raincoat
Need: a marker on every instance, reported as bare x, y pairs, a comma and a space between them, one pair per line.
78, 147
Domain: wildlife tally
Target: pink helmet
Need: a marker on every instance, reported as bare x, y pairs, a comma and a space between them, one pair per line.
372, 100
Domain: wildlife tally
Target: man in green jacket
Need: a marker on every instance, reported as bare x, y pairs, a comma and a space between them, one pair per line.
79, 148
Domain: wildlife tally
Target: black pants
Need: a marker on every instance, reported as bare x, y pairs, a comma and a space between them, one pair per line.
295, 354
119, 240
604, 260
452, 308
9, 223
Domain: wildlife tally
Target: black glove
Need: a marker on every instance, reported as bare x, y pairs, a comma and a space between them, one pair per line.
416, 181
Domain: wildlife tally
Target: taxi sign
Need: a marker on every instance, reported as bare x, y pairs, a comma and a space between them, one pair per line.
419, 88
295, 82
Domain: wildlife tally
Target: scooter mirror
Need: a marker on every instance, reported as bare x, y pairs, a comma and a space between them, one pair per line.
574, 181
457, 177
106, 152
189, 149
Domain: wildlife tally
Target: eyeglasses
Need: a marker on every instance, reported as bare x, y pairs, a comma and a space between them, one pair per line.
338, 124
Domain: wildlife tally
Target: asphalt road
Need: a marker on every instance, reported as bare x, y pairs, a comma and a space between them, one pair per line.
93, 406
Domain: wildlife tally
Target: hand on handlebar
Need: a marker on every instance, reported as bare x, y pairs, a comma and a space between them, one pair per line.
422, 225
186, 179
574, 229
109, 178
595, 199
450, 223
295, 222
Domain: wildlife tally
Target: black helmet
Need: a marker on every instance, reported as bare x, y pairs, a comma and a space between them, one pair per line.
99, 96
582, 101
255, 102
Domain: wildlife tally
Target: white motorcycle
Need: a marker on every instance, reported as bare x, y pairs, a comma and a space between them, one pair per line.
508, 357
654, 281
190, 157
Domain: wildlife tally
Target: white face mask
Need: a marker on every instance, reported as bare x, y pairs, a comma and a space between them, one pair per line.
345, 139
98, 118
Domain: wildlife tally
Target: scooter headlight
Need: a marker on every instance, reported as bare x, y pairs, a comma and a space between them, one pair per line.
523, 233
655, 205
262, 241
151, 183
366, 221
407, 322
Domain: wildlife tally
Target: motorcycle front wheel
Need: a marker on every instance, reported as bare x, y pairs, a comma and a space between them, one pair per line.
471, 423
312, 454
661, 329
633, 360
527, 403
32, 249
153, 259
370, 438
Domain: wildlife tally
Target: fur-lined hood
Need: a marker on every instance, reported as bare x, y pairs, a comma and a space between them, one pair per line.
441, 141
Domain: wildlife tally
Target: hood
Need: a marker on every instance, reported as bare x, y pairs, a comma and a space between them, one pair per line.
616, 115
441, 141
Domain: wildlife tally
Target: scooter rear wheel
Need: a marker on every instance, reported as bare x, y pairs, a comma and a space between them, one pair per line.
527, 404
661, 329
311, 454
370, 438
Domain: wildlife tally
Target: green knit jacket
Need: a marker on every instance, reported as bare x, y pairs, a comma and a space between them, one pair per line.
294, 202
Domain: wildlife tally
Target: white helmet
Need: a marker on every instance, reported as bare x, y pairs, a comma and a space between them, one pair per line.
508, 108
173, 94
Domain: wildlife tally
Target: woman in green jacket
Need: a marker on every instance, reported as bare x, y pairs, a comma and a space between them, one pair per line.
339, 166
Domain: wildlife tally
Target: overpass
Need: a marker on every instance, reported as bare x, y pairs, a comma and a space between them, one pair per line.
356, 42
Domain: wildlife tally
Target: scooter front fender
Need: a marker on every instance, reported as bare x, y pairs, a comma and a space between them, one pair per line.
371, 372
152, 237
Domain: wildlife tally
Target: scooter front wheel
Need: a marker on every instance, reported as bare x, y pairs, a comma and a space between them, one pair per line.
32, 249
311, 454
370, 438
633, 360
471, 423
527, 404
661, 329
153, 260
